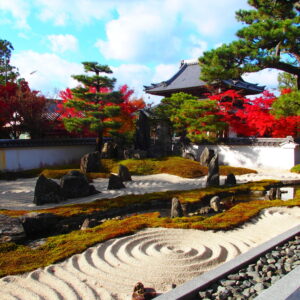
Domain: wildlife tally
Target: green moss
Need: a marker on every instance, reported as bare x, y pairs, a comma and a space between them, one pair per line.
16, 259
295, 169
171, 165
189, 196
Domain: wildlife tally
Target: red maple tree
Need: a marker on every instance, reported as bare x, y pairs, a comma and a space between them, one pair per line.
127, 116
252, 117
22, 110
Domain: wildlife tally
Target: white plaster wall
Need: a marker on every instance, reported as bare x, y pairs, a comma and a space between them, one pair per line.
23, 158
272, 157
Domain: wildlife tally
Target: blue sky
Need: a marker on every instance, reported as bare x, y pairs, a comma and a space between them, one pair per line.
142, 41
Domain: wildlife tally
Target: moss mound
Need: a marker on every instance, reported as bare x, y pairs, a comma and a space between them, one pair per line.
16, 259
295, 169
171, 165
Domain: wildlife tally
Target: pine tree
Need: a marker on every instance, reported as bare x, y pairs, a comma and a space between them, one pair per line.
270, 39
95, 103
199, 120
7, 72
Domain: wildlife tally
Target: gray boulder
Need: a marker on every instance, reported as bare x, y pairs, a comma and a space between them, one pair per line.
11, 230
90, 162
273, 193
215, 203
142, 135
75, 184
176, 209
124, 173
109, 150
47, 191
206, 156
230, 179
115, 183
39, 223
213, 177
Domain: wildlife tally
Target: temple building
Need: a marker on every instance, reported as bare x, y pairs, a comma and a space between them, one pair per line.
187, 80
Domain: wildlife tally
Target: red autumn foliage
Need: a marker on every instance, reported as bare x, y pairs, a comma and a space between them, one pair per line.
128, 107
252, 117
22, 110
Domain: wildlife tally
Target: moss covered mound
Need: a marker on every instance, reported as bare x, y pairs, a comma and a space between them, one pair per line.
16, 259
171, 165
295, 169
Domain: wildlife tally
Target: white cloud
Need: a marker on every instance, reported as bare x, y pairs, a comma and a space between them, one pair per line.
212, 18
153, 30
197, 47
164, 72
142, 30
134, 75
63, 42
79, 11
267, 77
46, 72
19, 9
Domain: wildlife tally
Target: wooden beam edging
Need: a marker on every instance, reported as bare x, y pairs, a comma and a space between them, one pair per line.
190, 289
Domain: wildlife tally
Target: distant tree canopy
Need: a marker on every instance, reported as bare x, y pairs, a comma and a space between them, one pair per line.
287, 81
270, 39
7, 72
198, 120
287, 104
21, 111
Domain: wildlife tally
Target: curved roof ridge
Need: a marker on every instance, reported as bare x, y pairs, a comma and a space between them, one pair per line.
188, 62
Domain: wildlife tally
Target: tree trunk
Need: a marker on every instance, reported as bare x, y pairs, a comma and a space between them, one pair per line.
298, 82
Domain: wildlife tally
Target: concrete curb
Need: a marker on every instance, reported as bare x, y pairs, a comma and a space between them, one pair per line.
191, 288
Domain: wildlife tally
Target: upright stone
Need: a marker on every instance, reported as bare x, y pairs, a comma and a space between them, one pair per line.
109, 150
164, 139
124, 173
176, 210
230, 179
75, 184
90, 162
47, 191
213, 177
142, 137
115, 183
206, 156
215, 203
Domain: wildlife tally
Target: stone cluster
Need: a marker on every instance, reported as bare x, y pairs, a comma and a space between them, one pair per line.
249, 281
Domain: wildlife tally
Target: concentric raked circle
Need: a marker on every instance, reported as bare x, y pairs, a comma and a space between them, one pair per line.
156, 257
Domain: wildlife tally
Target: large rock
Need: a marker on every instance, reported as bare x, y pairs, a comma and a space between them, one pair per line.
124, 173
213, 177
90, 162
36, 224
142, 136
75, 184
206, 156
109, 150
162, 145
47, 191
215, 203
115, 183
273, 193
11, 230
176, 209
230, 179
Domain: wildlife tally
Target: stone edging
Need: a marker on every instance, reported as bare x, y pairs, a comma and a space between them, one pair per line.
190, 289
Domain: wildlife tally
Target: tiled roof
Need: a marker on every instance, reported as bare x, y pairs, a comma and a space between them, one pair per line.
188, 78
